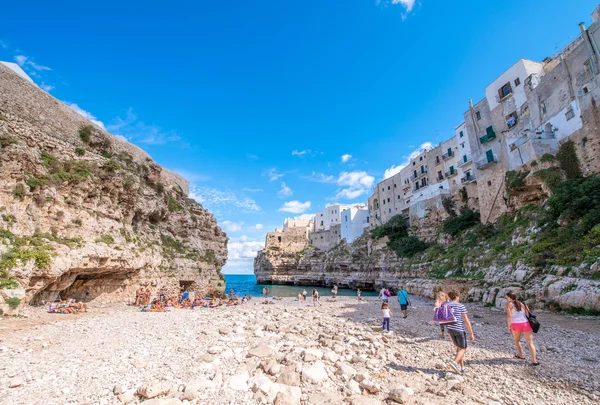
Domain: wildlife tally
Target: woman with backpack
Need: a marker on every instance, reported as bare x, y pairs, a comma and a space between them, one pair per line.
516, 317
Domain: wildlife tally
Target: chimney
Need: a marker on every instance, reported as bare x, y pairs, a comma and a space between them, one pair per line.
582, 27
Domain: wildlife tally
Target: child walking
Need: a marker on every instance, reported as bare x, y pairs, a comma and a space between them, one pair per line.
386, 313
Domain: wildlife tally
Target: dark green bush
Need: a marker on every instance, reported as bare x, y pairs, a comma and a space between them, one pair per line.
79, 151
568, 160
19, 192
551, 177
396, 229
6, 140
407, 246
547, 158
577, 201
455, 225
85, 133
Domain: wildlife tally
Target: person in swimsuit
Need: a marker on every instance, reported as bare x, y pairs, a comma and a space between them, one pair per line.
516, 317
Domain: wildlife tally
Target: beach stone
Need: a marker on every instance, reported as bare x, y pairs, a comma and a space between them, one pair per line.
365, 401
16, 382
401, 394
239, 381
127, 396
118, 389
289, 378
345, 369
312, 355
353, 387
224, 331
288, 395
315, 374
153, 389
261, 383
370, 386
206, 358
261, 352
214, 350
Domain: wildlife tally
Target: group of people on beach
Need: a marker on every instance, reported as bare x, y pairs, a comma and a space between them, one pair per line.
69, 306
165, 302
455, 322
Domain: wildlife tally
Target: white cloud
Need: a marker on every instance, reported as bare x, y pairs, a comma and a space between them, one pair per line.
252, 190
285, 191
26, 62
300, 152
135, 130
258, 227
191, 176
357, 183
231, 226
350, 194
273, 174
305, 217
243, 251
3, 45
355, 179
408, 6
396, 169
85, 114
295, 207
320, 178
47, 87
346, 158
215, 199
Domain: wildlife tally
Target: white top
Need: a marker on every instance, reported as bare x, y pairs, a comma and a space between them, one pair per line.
518, 316
386, 313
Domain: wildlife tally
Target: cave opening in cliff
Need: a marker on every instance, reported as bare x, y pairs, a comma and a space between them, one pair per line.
187, 285
112, 285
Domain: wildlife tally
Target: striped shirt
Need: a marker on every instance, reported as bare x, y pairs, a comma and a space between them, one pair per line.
458, 310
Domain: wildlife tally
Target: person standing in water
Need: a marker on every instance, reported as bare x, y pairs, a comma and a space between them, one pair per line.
304, 294
516, 317
335, 290
358, 294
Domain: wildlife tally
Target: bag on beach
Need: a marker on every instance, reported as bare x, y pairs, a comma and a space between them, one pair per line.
444, 315
535, 325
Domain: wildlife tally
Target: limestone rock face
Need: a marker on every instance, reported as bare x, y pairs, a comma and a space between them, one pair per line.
85, 214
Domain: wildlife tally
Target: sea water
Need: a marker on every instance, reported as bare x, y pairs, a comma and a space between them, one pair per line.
245, 284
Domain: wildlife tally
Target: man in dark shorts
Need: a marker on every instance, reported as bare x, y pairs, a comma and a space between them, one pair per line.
458, 333
404, 301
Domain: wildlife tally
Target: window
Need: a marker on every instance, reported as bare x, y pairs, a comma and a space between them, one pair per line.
399, 196
511, 119
423, 183
517, 82
585, 90
489, 183
587, 66
321, 223
504, 91
440, 176
394, 186
478, 115
383, 202
415, 173
414, 163
462, 145
570, 113
461, 134
543, 107
382, 188
421, 158
346, 218
388, 187
388, 200
437, 160
422, 169
390, 210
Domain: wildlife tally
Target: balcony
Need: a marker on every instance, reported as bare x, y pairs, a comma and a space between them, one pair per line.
468, 179
465, 160
489, 136
419, 175
451, 174
448, 155
486, 161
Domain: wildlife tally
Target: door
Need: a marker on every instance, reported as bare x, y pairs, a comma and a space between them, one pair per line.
490, 155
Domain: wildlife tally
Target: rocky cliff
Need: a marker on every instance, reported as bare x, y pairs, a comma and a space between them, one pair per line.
85, 214
483, 264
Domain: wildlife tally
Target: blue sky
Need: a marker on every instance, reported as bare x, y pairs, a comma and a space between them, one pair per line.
276, 108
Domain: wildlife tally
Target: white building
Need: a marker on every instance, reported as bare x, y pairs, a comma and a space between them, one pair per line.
510, 83
331, 215
354, 221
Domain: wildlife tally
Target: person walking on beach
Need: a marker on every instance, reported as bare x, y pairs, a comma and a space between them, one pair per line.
358, 294
441, 299
386, 313
335, 290
516, 317
304, 294
384, 294
458, 331
315, 295
264, 292
404, 301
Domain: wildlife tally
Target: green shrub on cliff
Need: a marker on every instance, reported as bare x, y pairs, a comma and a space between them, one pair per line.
455, 224
577, 201
85, 133
396, 229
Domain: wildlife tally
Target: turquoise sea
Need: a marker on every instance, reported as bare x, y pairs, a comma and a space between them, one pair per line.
245, 284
